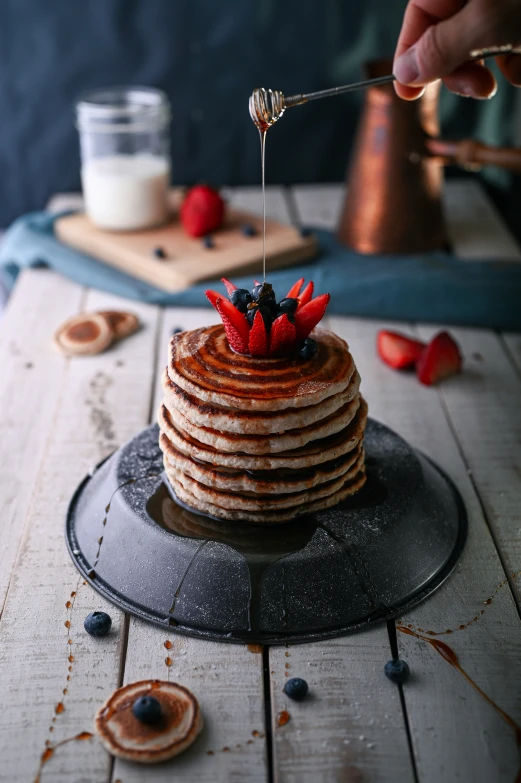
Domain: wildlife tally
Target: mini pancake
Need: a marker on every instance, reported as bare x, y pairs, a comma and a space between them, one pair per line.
269, 517
277, 481
84, 335
202, 363
126, 737
225, 419
313, 453
243, 501
269, 444
123, 324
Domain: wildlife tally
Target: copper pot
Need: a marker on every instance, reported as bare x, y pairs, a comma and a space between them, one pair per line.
393, 198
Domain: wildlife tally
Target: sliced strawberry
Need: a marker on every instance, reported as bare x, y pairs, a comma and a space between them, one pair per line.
235, 324
308, 316
258, 338
397, 350
295, 289
441, 359
283, 336
213, 296
230, 287
306, 294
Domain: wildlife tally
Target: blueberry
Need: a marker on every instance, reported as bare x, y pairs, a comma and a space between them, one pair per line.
240, 298
397, 670
264, 295
177, 330
208, 241
296, 688
147, 709
308, 348
264, 311
288, 306
248, 230
305, 232
97, 623
159, 252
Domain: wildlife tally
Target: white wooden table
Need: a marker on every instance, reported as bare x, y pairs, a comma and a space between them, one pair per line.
59, 417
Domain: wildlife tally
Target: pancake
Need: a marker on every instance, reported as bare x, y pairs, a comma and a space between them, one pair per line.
225, 419
126, 737
253, 501
270, 517
313, 453
263, 482
269, 444
203, 365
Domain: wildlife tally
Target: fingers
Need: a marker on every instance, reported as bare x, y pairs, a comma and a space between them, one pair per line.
445, 41
510, 67
472, 80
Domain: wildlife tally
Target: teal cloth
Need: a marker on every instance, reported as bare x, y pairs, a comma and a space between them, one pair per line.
433, 287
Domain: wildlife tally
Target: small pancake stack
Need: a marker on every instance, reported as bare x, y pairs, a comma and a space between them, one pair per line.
261, 440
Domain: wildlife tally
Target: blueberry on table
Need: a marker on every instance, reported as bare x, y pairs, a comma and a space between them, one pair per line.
208, 241
240, 298
97, 623
305, 232
308, 348
147, 709
248, 230
296, 688
397, 670
177, 330
159, 252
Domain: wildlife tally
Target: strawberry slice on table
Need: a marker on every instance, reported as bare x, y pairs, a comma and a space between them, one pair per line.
441, 359
397, 350
308, 316
295, 289
306, 294
202, 211
283, 336
258, 338
230, 287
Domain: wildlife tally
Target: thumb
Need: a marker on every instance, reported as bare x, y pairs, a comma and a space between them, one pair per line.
445, 46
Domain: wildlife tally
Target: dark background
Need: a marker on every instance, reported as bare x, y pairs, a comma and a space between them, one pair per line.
208, 56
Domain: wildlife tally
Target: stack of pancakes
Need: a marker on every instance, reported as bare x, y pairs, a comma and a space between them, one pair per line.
261, 440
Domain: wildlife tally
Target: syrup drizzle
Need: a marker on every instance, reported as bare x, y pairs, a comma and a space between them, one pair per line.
448, 654
262, 134
49, 751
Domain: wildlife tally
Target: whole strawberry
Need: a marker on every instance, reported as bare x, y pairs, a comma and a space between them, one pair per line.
202, 211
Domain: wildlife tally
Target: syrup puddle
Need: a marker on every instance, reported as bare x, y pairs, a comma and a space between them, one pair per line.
448, 654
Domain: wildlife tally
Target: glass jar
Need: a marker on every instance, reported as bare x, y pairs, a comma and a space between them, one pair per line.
125, 156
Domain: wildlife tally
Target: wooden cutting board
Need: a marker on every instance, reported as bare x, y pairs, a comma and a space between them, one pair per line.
187, 260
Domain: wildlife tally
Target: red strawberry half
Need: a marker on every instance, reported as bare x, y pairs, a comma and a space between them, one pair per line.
308, 316
202, 211
441, 359
258, 339
397, 350
283, 336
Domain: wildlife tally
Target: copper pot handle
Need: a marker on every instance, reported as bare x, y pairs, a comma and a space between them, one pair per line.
472, 155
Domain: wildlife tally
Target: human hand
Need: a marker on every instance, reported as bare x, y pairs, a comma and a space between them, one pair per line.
438, 37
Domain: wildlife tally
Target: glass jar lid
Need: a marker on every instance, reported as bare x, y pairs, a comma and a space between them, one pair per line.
122, 109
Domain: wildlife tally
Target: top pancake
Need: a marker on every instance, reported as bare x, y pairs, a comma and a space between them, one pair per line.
202, 364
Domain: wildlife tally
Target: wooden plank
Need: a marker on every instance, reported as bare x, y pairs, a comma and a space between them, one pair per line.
353, 726
456, 734
484, 406
29, 367
103, 401
475, 228
227, 679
